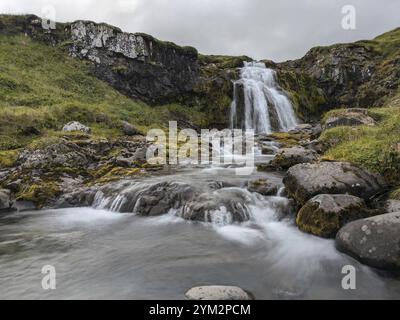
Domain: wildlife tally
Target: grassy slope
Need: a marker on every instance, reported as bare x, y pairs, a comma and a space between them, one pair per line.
42, 88
374, 148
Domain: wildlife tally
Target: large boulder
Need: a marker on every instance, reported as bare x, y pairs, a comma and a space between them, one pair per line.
217, 293
289, 157
223, 206
374, 241
7, 202
304, 181
325, 214
349, 117
75, 126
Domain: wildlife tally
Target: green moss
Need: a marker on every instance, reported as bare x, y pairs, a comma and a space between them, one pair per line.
308, 100
40, 194
8, 158
395, 194
109, 173
374, 148
312, 219
287, 139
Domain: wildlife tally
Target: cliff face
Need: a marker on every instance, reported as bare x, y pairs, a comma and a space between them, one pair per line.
361, 74
135, 64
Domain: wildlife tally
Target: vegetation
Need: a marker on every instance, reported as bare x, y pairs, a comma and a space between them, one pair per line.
375, 148
42, 88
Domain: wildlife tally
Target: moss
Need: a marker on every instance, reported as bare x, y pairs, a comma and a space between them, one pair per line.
308, 100
109, 173
395, 194
312, 219
8, 158
287, 139
40, 194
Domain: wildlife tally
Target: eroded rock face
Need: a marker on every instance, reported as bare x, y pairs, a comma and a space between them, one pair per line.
217, 293
7, 201
136, 64
303, 181
289, 157
350, 117
374, 241
325, 214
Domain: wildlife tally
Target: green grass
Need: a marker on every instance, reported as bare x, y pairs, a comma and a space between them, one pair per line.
42, 88
374, 148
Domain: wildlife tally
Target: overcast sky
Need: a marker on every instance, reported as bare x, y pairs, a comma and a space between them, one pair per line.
263, 29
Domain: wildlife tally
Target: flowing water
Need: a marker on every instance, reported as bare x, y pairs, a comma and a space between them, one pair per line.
104, 254
109, 252
263, 100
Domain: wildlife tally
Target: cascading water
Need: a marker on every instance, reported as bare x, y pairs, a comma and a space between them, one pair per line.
265, 107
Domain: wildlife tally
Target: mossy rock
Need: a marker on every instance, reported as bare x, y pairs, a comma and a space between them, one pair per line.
8, 158
40, 193
325, 214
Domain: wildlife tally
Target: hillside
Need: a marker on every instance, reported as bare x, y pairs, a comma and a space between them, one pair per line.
100, 76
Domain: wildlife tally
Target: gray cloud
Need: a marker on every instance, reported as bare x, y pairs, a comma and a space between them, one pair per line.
276, 30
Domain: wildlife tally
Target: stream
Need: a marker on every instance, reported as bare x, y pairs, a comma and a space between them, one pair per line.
102, 254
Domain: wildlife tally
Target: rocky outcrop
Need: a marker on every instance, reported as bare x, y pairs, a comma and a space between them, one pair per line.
303, 181
217, 293
136, 64
75, 126
349, 117
7, 201
374, 241
361, 74
288, 157
325, 214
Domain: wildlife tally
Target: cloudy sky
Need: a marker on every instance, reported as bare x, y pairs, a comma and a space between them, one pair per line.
270, 29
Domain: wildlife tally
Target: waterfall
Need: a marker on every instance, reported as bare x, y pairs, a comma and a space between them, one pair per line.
263, 107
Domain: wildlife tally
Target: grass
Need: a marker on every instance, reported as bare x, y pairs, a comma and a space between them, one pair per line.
374, 148
42, 88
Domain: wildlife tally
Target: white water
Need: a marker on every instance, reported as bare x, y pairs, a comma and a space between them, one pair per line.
262, 97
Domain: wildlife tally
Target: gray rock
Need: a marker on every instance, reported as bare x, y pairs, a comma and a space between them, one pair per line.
160, 198
289, 157
64, 154
7, 201
136, 64
374, 241
75, 126
223, 206
325, 214
217, 293
303, 181
392, 206
140, 155
349, 117
262, 186
129, 129
124, 162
